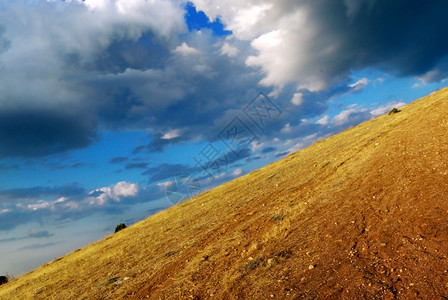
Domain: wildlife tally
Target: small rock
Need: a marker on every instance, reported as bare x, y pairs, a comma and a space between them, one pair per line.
310, 267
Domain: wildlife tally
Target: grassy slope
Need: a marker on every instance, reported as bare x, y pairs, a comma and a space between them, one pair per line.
363, 213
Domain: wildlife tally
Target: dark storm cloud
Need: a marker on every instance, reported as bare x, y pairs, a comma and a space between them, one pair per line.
319, 43
56, 78
38, 133
405, 37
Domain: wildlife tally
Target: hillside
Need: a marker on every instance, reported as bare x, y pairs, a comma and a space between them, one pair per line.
361, 214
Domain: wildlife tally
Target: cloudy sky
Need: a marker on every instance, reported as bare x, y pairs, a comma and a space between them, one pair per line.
111, 110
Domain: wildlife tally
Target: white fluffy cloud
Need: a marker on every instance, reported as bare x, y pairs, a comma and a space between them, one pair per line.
185, 50
351, 115
359, 85
114, 192
297, 99
229, 50
284, 36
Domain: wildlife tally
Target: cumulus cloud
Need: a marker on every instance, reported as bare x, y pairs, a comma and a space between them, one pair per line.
115, 192
59, 204
297, 99
229, 50
350, 116
52, 56
316, 44
323, 121
185, 50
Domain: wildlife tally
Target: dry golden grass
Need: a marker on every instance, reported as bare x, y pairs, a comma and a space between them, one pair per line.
360, 214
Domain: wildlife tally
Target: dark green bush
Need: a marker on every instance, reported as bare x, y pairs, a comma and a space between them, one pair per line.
119, 227
3, 279
394, 111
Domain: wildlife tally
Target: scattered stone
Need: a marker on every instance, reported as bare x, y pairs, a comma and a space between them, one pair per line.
310, 267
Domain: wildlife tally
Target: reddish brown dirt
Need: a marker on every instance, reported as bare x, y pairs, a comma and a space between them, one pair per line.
361, 215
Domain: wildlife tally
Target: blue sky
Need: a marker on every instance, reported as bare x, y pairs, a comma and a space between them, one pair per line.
112, 110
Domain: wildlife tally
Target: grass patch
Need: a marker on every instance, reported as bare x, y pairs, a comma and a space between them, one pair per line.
278, 217
171, 253
253, 264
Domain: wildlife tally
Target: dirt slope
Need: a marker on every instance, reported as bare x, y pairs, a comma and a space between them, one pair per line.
363, 214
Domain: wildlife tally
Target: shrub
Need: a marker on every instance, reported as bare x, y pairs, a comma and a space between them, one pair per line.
3, 279
394, 111
119, 227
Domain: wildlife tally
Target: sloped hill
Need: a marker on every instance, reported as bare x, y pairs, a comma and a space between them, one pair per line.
363, 214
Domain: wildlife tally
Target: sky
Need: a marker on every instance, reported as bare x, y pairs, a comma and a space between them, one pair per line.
113, 110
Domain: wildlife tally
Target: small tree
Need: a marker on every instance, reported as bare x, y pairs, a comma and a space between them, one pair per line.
394, 111
3, 279
119, 227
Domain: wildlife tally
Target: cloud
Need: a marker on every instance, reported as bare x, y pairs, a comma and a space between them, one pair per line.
141, 165
237, 172
268, 150
350, 116
168, 171
229, 50
323, 121
38, 246
60, 204
45, 59
69, 190
171, 134
316, 44
26, 132
297, 99
185, 50
40, 234
118, 159
32, 235
359, 85
137, 64
116, 192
